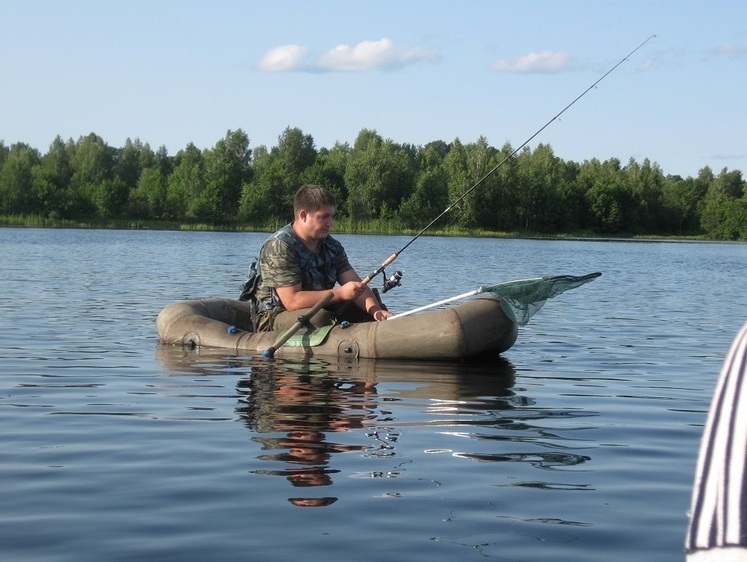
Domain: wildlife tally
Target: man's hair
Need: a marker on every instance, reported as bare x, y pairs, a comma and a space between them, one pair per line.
312, 198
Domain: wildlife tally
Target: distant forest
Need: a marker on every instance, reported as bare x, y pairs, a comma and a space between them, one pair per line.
380, 185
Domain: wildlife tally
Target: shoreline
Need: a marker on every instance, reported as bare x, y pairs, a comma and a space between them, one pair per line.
38, 222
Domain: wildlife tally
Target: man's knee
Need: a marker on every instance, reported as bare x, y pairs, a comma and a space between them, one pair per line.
287, 318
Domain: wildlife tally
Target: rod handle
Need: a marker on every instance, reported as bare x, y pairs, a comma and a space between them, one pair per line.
387, 261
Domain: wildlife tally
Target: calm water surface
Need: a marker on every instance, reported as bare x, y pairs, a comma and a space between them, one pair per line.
578, 444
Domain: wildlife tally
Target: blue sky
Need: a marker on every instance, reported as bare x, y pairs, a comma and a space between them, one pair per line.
170, 72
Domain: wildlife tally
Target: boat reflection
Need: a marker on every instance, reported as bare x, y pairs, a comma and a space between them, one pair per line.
299, 409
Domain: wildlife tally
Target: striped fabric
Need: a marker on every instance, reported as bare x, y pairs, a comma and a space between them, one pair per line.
718, 518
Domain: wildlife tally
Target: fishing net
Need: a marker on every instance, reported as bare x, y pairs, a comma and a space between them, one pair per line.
524, 298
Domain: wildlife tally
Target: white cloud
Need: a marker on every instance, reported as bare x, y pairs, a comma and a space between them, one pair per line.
366, 55
648, 64
542, 61
284, 58
727, 50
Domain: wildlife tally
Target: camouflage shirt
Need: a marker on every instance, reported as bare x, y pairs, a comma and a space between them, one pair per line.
285, 261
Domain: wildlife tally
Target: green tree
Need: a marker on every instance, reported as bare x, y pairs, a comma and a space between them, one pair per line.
465, 165
503, 198
541, 179
227, 168
379, 176
681, 199
458, 180
328, 170
186, 183
722, 214
52, 178
296, 150
129, 161
108, 197
17, 180
268, 197
162, 159
431, 194
277, 175
374, 180
735, 219
92, 161
572, 212
4, 150
607, 194
148, 199
91, 185
646, 183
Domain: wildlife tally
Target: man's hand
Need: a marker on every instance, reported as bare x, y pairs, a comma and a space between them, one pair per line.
381, 314
351, 290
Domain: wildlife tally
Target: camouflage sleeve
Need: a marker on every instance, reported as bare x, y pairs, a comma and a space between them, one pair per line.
279, 264
342, 264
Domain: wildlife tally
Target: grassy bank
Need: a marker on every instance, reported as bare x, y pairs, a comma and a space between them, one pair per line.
342, 225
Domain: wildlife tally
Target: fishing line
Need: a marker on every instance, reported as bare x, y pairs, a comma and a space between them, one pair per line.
394, 256
303, 319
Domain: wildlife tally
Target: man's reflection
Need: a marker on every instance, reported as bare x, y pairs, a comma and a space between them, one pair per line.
294, 409
304, 404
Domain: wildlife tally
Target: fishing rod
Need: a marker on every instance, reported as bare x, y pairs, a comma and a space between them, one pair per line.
304, 318
394, 256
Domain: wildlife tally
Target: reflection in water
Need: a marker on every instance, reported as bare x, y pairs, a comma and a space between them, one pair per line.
298, 410
303, 402
539, 460
306, 401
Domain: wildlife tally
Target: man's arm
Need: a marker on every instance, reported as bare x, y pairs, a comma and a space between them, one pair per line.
366, 300
295, 298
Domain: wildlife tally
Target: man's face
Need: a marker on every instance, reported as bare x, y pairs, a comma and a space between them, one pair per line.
317, 224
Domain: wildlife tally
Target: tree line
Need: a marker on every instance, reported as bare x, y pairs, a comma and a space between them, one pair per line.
375, 181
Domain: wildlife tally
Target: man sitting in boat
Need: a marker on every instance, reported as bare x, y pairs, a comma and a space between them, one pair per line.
300, 263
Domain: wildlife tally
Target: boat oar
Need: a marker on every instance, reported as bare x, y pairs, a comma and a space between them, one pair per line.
303, 319
520, 299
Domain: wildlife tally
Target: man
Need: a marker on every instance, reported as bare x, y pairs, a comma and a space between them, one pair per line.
301, 263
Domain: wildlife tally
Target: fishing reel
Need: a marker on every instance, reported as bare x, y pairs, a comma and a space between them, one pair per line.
392, 282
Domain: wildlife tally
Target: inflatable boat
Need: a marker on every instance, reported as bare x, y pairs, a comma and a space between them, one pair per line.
472, 328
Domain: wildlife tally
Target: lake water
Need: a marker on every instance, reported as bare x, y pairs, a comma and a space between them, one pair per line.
578, 444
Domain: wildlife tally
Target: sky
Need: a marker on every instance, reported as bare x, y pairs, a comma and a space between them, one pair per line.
174, 72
